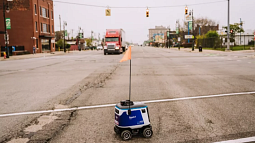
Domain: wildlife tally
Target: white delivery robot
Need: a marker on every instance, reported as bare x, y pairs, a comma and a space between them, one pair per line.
132, 118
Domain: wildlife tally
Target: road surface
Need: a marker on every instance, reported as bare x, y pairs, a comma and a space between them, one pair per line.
91, 78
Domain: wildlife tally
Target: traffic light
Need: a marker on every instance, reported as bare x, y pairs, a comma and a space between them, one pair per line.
231, 31
147, 12
186, 10
81, 35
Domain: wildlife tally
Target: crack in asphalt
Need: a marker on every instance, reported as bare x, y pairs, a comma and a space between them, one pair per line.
50, 130
29, 69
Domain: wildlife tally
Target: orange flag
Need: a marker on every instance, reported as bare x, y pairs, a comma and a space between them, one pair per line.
127, 55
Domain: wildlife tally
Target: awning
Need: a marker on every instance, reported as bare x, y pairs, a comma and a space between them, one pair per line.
46, 36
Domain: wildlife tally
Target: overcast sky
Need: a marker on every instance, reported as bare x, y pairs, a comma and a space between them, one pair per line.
134, 21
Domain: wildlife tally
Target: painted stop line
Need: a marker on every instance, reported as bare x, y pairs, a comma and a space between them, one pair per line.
110, 105
242, 140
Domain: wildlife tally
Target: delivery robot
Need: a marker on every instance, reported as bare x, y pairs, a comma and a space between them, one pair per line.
132, 118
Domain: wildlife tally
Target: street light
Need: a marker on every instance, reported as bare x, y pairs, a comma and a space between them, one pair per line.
7, 9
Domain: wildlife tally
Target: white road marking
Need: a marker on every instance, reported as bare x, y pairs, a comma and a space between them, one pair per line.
197, 97
110, 105
242, 140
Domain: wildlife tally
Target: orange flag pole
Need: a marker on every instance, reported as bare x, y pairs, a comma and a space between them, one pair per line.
126, 57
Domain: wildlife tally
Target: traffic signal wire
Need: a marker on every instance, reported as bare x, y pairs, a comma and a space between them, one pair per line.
101, 6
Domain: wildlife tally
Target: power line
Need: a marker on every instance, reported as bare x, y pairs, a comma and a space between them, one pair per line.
101, 6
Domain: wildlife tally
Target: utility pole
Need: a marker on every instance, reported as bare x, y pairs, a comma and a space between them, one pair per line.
240, 32
244, 41
60, 22
82, 33
228, 27
72, 34
6, 7
91, 36
65, 24
61, 34
193, 31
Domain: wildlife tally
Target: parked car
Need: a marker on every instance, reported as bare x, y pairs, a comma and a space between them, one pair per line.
87, 48
99, 47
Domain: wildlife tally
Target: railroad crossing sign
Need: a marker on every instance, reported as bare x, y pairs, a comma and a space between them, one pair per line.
108, 12
8, 23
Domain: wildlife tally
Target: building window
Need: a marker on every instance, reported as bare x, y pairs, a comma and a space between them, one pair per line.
44, 12
40, 10
49, 28
48, 13
44, 28
41, 28
52, 29
36, 26
35, 10
52, 15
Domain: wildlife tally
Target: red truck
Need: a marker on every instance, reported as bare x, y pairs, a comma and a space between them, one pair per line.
114, 41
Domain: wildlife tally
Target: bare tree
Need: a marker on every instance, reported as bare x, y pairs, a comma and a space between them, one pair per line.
205, 23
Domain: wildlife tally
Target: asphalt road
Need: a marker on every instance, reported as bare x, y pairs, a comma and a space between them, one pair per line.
38, 84
41, 83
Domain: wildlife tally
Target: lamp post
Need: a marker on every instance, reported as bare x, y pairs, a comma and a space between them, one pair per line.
228, 28
91, 36
193, 31
65, 24
7, 9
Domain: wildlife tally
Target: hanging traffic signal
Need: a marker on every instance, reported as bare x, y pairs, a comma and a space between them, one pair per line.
147, 12
231, 31
186, 10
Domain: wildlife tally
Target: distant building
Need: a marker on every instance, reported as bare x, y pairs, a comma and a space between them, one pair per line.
157, 34
245, 39
31, 26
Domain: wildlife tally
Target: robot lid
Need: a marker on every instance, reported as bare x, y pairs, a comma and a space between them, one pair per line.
125, 104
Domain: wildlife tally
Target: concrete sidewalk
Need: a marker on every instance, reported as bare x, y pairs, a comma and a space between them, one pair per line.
37, 55
212, 51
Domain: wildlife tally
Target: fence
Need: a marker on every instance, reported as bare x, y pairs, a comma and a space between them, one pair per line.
209, 42
221, 43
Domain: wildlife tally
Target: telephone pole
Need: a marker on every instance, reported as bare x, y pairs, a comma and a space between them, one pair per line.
65, 24
6, 8
193, 31
228, 43
72, 34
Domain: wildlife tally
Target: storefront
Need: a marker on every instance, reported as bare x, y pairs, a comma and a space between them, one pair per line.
46, 44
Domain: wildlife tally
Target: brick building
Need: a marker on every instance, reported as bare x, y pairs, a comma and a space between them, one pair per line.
31, 25
157, 33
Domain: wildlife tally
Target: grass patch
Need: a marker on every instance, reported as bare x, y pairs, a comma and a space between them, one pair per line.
235, 48
238, 48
